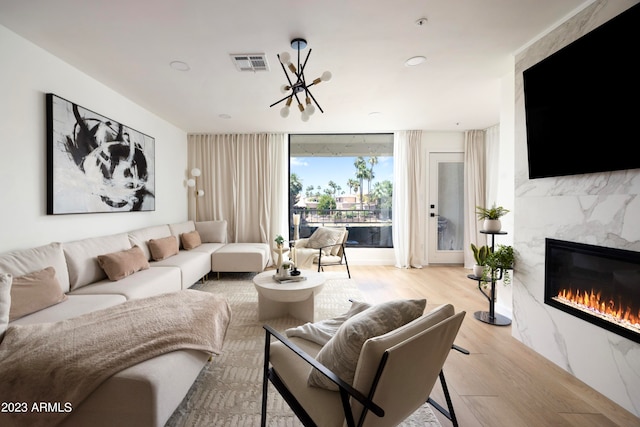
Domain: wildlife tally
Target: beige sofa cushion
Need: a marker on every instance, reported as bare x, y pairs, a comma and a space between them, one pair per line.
34, 292
212, 231
190, 240
25, 261
5, 302
75, 305
118, 265
163, 248
181, 228
342, 352
145, 394
82, 257
143, 284
142, 236
240, 257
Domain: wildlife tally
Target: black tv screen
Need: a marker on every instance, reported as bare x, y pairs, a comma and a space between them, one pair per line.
582, 103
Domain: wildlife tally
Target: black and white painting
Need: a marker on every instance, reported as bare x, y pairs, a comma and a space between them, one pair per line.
96, 164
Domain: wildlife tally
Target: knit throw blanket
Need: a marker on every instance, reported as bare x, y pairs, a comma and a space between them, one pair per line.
65, 361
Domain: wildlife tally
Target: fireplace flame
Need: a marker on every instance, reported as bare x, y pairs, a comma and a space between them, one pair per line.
607, 308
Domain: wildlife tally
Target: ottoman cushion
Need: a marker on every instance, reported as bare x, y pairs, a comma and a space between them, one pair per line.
240, 257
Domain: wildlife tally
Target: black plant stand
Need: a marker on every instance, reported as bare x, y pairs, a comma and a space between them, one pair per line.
490, 317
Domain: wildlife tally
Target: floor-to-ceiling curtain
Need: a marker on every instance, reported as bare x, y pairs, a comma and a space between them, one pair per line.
474, 189
408, 222
244, 179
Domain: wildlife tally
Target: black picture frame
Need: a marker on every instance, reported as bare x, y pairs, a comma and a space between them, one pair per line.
95, 164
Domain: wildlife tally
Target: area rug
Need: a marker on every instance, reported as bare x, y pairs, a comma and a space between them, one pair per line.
228, 391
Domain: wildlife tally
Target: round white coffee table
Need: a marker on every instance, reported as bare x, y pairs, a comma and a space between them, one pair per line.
293, 298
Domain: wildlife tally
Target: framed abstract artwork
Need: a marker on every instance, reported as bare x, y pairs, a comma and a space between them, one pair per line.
95, 164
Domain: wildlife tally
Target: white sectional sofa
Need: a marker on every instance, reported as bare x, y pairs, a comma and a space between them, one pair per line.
145, 394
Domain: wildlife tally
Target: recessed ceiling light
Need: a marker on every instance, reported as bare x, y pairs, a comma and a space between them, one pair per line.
375, 114
180, 66
224, 116
416, 60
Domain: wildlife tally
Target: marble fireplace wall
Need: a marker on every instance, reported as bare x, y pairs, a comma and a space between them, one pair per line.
600, 209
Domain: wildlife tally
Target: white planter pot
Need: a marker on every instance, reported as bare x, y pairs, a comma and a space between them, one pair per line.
477, 270
491, 225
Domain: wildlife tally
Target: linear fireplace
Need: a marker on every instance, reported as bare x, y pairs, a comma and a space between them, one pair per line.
598, 284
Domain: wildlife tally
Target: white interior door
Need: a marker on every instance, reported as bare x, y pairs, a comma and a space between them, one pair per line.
446, 185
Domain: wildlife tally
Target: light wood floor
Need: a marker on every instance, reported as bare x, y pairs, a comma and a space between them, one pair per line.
502, 382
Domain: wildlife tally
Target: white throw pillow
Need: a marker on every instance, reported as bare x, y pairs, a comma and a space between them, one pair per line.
323, 237
5, 302
321, 332
342, 352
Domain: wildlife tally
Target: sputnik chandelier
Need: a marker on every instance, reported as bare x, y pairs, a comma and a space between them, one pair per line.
299, 88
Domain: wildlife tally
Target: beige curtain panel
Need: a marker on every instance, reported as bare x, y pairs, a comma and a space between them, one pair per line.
244, 179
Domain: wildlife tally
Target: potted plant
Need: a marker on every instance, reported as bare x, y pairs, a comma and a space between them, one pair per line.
279, 240
499, 262
491, 217
480, 255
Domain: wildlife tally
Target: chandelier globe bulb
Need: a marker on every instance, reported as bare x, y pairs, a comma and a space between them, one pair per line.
310, 109
284, 112
285, 58
326, 76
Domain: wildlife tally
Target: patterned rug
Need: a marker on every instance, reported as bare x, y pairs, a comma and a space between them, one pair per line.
228, 391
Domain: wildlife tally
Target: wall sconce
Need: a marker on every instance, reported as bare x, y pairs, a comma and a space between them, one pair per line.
193, 183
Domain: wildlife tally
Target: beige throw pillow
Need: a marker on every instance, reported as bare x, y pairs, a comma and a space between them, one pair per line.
342, 352
34, 292
5, 302
118, 265
323, 237
163, 248
190, 240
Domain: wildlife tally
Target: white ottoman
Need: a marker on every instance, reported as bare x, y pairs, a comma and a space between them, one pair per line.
240, 257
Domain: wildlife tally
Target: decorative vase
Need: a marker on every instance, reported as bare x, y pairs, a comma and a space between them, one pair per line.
478, 270
492, 225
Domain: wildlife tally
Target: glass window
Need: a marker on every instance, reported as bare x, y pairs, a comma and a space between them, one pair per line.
343, 180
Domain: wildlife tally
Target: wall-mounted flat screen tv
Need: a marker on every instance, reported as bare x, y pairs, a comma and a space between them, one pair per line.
582, 103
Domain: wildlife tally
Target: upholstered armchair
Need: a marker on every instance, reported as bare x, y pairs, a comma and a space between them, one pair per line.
394, 373
325, 247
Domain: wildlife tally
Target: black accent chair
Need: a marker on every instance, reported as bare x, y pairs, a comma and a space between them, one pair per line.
394, 377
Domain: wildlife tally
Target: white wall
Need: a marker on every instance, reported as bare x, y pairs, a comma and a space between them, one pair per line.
27, 73
505, 188
601, 209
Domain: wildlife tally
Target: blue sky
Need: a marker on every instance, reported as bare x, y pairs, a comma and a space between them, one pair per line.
320, 170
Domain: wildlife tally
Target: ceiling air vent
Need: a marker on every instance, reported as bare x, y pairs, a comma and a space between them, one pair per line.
250, 61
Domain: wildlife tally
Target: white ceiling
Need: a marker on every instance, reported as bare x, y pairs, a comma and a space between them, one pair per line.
129, 44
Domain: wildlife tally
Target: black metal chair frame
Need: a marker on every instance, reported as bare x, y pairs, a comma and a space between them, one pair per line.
449, 413
346, 391
343, 257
